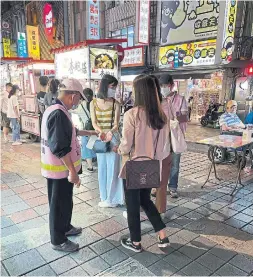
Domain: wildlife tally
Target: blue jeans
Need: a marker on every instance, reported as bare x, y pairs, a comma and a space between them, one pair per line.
174, 171
15, 129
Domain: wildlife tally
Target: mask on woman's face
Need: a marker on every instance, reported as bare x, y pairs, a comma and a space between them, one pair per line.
165, 92
111, 93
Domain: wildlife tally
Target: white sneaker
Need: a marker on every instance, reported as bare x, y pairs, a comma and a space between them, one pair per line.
23, 141
125, 214
16, 143
6, 140
104, 204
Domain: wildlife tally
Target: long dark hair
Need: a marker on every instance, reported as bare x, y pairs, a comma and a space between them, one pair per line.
104, 84
13, 91
54, 84
157, 87
146, 96
88, 93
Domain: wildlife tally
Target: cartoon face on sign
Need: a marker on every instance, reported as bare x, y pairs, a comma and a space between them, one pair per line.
48, 20
173, 15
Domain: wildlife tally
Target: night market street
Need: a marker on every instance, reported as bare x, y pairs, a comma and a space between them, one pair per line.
211, 233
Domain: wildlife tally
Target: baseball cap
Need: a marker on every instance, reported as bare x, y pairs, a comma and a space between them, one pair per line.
72, 85
166, 79
231, 103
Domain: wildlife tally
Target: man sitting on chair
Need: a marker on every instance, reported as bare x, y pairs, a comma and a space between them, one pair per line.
229, 121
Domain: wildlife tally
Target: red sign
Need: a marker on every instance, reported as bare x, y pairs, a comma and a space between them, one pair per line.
120, 53
48, 20
249, 70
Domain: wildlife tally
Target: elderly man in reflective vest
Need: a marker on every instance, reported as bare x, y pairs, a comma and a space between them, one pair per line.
61, 163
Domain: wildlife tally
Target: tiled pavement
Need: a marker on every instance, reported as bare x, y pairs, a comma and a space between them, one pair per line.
211, 233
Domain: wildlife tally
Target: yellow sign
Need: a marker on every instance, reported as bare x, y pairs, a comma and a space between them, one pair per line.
33, 42
7, 47
188, 54
229, 31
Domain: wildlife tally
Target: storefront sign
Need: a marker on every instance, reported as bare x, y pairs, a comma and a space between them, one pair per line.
72, 64
93, 19
229, 31
22, 47
33, 42
48, 20
188, 20
103, 61
30, 124
7, 47
133, 56
144, 21
188, 54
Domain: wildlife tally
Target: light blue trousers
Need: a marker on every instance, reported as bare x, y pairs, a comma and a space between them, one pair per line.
110, 186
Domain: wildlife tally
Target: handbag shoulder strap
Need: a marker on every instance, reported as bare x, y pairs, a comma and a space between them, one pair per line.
181, 103
157, 138
85, 111
112, 112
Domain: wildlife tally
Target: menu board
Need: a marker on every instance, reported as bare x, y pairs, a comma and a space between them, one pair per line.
72, 64
188, 54
133, 56
103, 61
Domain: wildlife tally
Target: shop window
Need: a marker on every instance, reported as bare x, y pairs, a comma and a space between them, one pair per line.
127, 33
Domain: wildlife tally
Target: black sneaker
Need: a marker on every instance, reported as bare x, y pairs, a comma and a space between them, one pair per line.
127, 243
162, 243
74, 231
68, 246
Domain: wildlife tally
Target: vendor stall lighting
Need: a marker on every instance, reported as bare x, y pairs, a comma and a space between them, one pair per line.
249, 70
244, 85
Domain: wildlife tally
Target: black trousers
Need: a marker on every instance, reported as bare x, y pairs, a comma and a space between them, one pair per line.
60, 198
136, 198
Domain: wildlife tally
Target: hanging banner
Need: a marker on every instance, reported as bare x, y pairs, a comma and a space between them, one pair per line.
33, 42
229, 31
133, 56
48, 20
144, 21
103, 61
22, 47
93, 19
72, 64
7, 47
183, 21
187, 54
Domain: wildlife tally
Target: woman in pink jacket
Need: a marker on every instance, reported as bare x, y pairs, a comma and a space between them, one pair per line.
140, 128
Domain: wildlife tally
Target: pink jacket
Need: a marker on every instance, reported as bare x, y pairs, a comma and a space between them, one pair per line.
138, 139
51, 166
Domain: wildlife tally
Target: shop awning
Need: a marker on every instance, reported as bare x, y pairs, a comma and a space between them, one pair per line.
92, 42
15, 60
238, 64
186, 73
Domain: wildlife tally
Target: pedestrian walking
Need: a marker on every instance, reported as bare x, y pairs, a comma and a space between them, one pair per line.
5, 121
83, 112
61, 163
51, 96
180, 108
145, 133
105, 115
14, 115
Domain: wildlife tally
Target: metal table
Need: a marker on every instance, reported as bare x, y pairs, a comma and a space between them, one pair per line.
232, 142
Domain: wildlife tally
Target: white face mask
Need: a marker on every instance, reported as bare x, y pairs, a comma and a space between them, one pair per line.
111, 93
165, 92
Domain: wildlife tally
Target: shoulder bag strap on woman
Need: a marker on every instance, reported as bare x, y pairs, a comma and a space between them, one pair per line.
157, 138
85, 111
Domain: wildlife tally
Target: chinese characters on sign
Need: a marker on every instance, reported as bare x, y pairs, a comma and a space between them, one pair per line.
33, 42
103, 61
133, 56
72, 64
229, 31
188, 54
93, 19
189, 20
30, 124
144, 17
22, 47
7, 47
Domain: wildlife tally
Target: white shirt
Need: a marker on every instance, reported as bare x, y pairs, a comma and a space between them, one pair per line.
12, 103
4, 102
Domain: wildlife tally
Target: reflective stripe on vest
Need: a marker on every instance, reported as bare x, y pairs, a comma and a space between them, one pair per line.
57, 168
